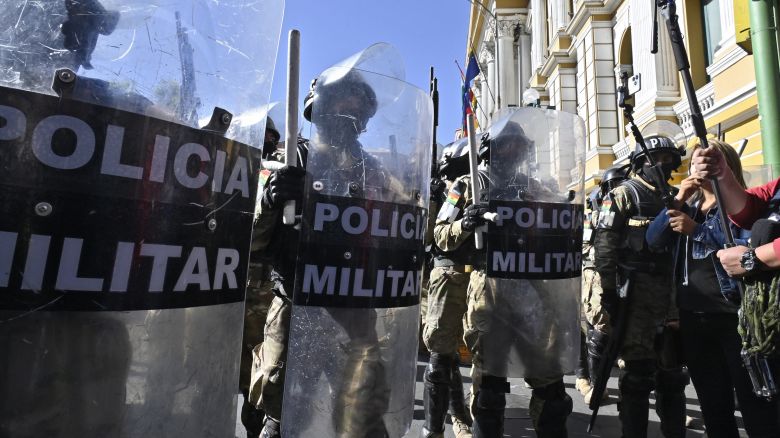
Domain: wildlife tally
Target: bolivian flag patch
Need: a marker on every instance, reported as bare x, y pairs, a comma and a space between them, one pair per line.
264, 175
453, 197
606, 216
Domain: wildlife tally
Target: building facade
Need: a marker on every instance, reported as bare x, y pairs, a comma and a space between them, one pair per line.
572, 53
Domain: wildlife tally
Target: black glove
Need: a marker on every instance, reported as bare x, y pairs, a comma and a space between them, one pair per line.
437, 189
286, 184
472, 216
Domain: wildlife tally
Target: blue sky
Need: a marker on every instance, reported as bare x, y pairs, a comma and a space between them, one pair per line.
426, 33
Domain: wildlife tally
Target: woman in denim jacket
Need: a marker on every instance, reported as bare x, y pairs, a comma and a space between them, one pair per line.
708, 300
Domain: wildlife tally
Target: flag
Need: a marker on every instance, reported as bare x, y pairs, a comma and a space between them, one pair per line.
467, 96
472, 70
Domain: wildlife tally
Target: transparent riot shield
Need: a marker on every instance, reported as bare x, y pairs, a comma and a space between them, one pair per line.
532, 285
351, 362
126, 212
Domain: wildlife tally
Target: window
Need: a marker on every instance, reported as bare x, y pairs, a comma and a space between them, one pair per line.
711, 28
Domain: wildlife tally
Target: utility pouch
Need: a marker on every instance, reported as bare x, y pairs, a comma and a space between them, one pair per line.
635, 233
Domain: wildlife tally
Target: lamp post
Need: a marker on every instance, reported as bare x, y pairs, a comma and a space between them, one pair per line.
495, 39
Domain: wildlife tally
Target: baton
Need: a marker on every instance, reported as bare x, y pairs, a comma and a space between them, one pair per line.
476, 191
291, 120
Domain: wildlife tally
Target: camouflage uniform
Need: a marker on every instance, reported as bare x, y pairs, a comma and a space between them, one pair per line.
268, 358
443, 333
595, 316
549, 405
620, 249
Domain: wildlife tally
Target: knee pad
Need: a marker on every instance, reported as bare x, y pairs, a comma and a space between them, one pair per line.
674, 380
638, 377
491, 395
557, 404
596, 343
438, 370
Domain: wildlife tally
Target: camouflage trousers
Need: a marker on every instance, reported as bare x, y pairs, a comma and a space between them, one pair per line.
649, 305
591, 300
269, 358
258, 299
475, 324
443, 324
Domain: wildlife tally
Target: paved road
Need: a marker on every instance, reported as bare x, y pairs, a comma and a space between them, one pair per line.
518, 423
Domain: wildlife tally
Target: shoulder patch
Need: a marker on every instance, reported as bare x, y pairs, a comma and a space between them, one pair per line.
264, 175
606, 216
454, 194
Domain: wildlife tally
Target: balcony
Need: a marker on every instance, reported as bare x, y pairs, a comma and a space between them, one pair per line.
621, 150
706, 97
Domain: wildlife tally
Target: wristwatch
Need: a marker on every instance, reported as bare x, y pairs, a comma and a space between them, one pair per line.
749, 261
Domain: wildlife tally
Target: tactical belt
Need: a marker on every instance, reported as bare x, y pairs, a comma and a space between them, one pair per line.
441, 262
463, 269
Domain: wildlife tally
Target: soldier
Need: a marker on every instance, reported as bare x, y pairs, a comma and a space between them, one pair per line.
496, 312
623, 261
258, 299
349, 345
443, 325
141, 179
596, 320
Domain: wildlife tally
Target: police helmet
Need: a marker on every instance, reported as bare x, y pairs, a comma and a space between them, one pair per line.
612, 177
454, 161
271, 126
507, 135
349, 84
660, 136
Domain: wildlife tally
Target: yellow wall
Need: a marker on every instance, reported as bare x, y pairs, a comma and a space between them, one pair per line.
734, 78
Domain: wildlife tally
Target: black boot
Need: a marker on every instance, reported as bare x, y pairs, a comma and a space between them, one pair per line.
251, 418
583, 370
596, 344
670, 401
436, 394
551, 407
636, 382
489, 404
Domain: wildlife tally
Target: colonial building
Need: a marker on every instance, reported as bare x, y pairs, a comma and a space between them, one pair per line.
572, 52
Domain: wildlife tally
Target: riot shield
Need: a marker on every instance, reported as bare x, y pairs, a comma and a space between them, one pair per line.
532, 283
126, 212
351, 362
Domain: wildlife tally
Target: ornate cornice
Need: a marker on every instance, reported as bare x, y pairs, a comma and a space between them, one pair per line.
486, 53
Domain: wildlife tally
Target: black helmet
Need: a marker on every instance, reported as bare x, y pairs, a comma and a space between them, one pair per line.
454, 161
329, 92
86, 19
612, 177
657, 143
660, 136
271, 126
507, 135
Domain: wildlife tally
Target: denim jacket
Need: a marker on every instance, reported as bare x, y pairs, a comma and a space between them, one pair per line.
707, 238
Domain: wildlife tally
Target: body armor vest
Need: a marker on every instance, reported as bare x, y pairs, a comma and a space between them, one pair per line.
646, 206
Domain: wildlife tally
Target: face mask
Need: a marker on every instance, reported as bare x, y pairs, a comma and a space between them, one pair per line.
269, 147
339, 128
667, 169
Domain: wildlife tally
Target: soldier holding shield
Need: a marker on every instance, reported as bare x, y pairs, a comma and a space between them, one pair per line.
352, 265
523, 313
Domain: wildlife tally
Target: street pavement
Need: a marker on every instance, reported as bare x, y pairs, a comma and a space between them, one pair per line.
518, 423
